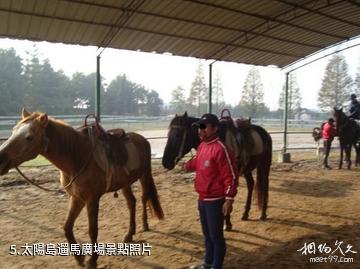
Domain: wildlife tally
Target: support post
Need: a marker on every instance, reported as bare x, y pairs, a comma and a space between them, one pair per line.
210, 89
97, 88
285, 157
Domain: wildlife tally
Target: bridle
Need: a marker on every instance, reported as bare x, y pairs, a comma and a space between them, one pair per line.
182, 145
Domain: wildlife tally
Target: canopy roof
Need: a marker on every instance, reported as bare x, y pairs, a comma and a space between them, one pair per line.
261, 32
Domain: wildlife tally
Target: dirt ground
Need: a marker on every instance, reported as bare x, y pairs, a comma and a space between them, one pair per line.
307, 206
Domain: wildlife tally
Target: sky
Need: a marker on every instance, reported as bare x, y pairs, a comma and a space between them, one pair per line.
164, 73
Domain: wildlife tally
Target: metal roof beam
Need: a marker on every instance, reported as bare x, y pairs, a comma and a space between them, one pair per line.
317, 12
218, 26
267, 18
152, 32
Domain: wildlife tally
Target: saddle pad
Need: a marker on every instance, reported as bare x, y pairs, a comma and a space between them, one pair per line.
258, 143
133, 162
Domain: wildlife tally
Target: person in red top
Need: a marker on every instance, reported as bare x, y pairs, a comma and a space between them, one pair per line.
328, 134
216, 183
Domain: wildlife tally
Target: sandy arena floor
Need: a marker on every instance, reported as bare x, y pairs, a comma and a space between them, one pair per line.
307, 205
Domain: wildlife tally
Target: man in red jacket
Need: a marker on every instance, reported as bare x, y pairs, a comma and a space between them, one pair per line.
328, 134
216, 183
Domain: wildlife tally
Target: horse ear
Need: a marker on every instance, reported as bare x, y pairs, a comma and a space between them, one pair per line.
185, 114
43, 118
25, 113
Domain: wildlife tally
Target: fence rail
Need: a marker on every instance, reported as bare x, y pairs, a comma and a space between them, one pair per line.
155, 130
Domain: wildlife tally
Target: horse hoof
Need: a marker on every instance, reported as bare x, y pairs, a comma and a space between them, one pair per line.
80, 260
146, 227
91, 265
228, 228
263, 217
128, 238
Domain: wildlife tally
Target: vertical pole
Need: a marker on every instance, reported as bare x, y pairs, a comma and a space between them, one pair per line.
210, 89
97, 88
286, 111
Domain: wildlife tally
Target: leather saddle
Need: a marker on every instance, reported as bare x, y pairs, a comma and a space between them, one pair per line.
112, 140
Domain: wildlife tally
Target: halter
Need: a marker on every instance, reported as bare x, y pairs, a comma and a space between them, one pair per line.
182, 145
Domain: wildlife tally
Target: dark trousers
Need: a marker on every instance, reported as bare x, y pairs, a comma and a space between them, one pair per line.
212, 222
327, 147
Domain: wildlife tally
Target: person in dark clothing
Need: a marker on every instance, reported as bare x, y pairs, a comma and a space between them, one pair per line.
354, 111
328, 134
216, 183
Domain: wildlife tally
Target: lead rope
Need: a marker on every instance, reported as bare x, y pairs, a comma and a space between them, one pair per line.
52, 190
34, 183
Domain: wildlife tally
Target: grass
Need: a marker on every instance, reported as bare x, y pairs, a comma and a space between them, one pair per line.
38, 161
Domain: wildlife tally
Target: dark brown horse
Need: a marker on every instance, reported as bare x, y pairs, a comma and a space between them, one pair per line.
182, 137
85, 181
349, 135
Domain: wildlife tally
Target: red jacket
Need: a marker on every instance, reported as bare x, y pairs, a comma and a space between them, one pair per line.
328, 132
216, 175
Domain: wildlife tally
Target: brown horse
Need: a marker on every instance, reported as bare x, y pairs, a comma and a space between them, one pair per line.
182, 137
349, 135
71, 151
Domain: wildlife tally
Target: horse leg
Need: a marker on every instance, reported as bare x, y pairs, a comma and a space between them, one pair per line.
341, 155
250, 185
131, 203
227, 224
92, 206
348, 156
144, 199
76, 205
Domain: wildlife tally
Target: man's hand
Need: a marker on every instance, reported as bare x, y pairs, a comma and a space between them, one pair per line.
181, 165
227, 207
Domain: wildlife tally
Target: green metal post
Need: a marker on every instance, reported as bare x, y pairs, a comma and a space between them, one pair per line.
210, 89
97, 88
286, 111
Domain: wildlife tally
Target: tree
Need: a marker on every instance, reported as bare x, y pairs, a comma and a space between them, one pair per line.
218, 95
178, 100
357, 82
12, 82
198, 93
252, 95
336, 84
82, 92
294, 97
46, 89
124, 97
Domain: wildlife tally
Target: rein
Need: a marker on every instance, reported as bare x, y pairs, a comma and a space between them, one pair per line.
52, 190
182, 145
33, 182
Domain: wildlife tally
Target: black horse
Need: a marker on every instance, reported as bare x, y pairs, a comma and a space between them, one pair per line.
182, 137
348, 131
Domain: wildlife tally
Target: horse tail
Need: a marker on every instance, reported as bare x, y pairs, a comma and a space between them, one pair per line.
149, 187
263, 170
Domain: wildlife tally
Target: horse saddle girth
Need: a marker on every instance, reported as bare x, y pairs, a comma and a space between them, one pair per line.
115, 146
244, 144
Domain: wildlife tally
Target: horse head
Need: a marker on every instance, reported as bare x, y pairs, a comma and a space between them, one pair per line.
316, 134
26, 142
182, 137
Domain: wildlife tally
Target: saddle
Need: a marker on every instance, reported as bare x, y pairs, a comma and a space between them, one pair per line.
238, 138
113, 140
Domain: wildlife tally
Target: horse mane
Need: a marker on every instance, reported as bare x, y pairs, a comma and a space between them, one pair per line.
182, 120
68, 141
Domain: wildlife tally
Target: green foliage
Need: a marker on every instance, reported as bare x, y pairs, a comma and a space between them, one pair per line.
12, 82
178, 100
198, 97
294, 97
252, 96
336, 84
37, 86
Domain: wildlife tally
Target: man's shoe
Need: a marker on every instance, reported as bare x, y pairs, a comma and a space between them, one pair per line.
200, 266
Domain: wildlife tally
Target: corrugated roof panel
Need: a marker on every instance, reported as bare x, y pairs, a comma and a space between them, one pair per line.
198, 28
